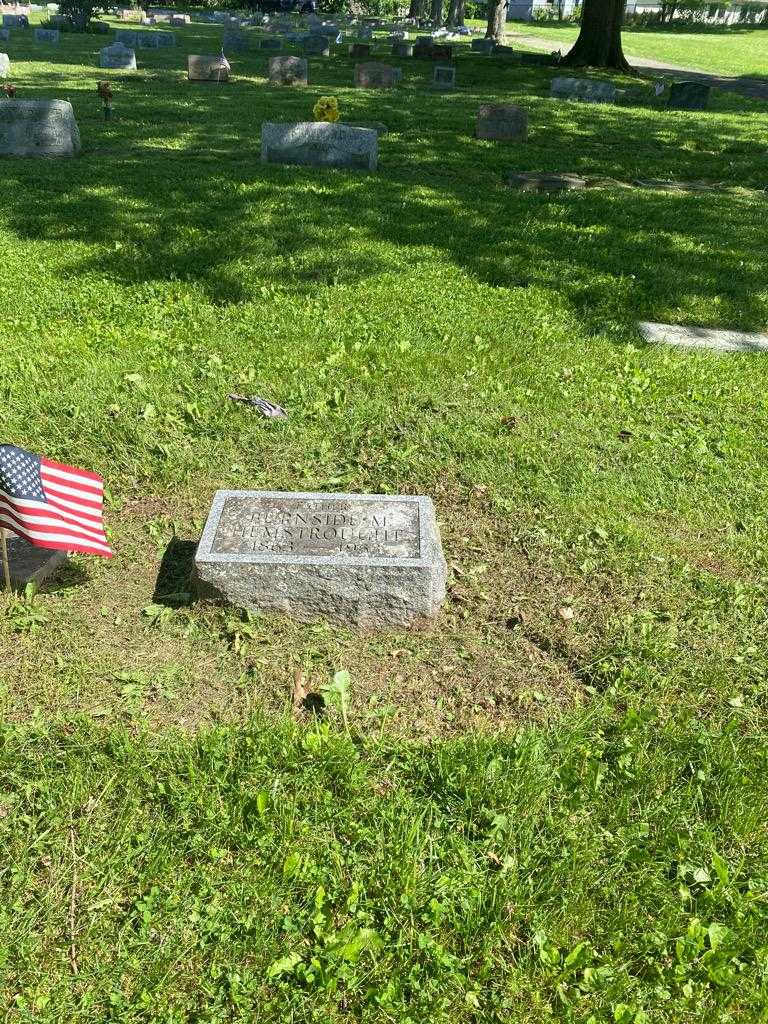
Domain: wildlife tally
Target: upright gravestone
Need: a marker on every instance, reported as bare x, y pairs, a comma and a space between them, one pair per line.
585, 90
689, 96
402, 49
117, 56
180, 20
235, 42
288, 71
15, 21
5, 65
31, 128
441, 52
486, 46
30, 564
206, 68
360, 51
128, 37
319, 144
502, 122
444, 77
46, 35
155, 40
364, 560
317, 46
375, 75
5, 35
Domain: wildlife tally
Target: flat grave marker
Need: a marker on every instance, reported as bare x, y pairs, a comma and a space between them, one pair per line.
502, 122
319, 144
583, 90
365, 560
702, 337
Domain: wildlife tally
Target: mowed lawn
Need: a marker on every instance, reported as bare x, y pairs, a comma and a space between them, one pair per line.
737, 51
549, 806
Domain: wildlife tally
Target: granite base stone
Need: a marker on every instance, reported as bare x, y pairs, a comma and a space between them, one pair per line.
584, 90
361, 560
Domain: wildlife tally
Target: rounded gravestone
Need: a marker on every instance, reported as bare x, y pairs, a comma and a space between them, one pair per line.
117, 56
5, 65
38, 128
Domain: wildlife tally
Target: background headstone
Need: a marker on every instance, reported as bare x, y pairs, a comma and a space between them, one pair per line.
288, 71
402, 49
374, 75
317, 46
236, 42
271, 44
128, 37
155, 40
444, 77
356, 560
585, 90
486, 46
504, 122
15, 21
5, 65
32, 128
29, 564
319, 144
205, 68
689, 96
360, 51
46, 35
117, 56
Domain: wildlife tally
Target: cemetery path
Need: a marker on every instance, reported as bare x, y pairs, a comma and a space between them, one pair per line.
752, 88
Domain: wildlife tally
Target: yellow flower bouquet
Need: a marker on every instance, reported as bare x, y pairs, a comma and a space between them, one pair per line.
326, 109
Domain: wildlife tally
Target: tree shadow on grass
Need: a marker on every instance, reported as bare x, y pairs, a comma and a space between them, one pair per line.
174, 190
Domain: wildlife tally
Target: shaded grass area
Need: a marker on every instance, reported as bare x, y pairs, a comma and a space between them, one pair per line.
550, 805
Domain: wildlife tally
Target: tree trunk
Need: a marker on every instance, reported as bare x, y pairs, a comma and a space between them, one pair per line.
456, 13
497, 19
599, 42
436, 16
416, 10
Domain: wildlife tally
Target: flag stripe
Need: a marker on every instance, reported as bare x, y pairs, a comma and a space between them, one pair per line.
33, 505
70, 473
71, 492
71, 506
47, 523
57, 544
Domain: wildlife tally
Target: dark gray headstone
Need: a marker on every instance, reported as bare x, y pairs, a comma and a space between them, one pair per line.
402, 49
355, 559
486, 46
444, 77
317, 46
155, 40
15, 21
319, 144
47, 35
128, 37
504, 122
206, 68
689, 96
271, 44
374, 75
360, 51
30, 564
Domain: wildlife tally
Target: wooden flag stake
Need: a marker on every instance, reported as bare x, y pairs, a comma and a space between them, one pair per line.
6, 561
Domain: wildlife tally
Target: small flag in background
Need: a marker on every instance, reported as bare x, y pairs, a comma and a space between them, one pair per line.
51, 505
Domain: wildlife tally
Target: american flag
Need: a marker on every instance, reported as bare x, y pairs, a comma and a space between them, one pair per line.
51, 505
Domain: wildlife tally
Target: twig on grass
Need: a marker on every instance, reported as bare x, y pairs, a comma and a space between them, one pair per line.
72, 898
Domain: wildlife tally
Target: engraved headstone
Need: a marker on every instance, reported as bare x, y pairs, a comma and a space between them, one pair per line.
288, 71
128, 37
319, 144
504, 122
15, 21
440, 51
402, 49
30, 128
46, 35
362, 560
375, 75
180, 20
486, 46
689, 96
117, 56
206, 68
5, 35
585, 90
360, 51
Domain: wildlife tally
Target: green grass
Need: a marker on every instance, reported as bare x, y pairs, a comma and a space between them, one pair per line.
533, 815
728, 51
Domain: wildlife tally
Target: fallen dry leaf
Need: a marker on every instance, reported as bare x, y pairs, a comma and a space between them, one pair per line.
299, 691
565, 613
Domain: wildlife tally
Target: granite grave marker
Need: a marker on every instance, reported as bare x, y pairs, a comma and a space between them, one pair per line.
38, 128
363, 560
319, 144
288, 71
